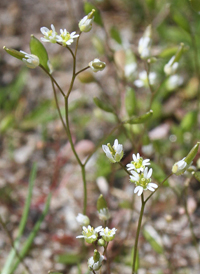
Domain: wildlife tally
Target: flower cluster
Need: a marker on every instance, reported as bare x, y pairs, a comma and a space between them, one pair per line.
102, 236
140, 175
65, 38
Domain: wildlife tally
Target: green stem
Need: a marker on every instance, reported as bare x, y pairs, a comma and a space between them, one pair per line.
124, 168
159, 186
57, 105
137, 235
84, 189
52, 79
82, 70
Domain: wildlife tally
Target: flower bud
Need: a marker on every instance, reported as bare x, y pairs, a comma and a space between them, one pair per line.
85, 24
97, 65
95, 262
83, 220
181, 166
31, 60
101, 242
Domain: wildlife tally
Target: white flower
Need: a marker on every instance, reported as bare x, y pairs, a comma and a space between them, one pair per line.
144, 45
115, 152
97, 65
108, 234
49, 35
143, 80
142, 181
65, 37
104, 214
95, 262
171, 67
85, 24
138, 163
174, 81
130, 69
90, 234
83, 220
31, 60
180, 167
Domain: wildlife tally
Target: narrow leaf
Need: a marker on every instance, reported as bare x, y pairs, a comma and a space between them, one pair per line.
140, 119
102, 105
115, 34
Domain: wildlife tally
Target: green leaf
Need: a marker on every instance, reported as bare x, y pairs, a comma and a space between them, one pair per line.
88, 7
102, 105
101, 203
168, 52
130, 101
140, 119
98, 44
12, 255
7, 122
37, 48
115, 34
29, 241
189, 120
152, 238
181, 21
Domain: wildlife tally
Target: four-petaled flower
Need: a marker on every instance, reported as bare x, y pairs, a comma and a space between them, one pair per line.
138, 163
31, 60
90, 234
49, 35
115, 152
142, 181
65, 37
108, 234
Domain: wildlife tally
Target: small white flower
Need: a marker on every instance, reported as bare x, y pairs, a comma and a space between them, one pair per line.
143, 80
85, 24
142, 181
65, 37
115, 152
31, 60
97, 65
90, 234
130, 69
138, 163
174, 81
104, 214
108, 234
83, 220
144, 45
171, 67
49, 35
94, 263
180, 167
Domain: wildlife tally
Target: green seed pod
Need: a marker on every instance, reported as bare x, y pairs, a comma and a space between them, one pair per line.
130, 101
101, 203
15, 53
141, 119
191, 155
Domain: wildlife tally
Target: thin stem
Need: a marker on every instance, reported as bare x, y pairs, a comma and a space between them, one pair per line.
93, 271
69, 133
52, 78
57, 105
84, 189
77, 44
14, 248
81, 70
137, 234
159, 186
124, 168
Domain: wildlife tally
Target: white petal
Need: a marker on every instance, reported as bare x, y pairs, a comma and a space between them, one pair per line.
150, 188
81, 236
119, 149
153, 185
105, 148
138, 83
150, 173
115, 142
138, 156
134, 157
